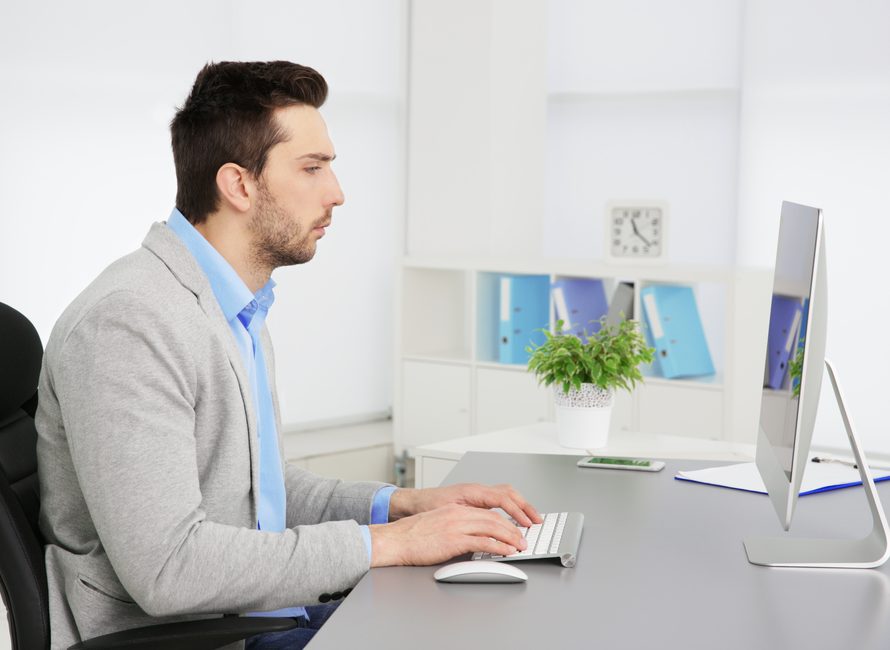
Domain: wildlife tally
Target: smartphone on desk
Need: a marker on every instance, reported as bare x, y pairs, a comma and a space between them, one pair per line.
621, 463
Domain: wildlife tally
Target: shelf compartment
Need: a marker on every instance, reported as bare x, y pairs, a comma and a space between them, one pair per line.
436, 318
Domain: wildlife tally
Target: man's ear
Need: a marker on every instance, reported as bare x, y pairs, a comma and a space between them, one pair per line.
235, 186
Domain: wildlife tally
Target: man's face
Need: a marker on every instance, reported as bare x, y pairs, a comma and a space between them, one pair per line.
297, 191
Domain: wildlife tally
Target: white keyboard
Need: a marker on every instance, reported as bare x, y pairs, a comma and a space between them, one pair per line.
558, 536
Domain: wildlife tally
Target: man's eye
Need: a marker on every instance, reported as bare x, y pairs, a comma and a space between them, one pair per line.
313, 170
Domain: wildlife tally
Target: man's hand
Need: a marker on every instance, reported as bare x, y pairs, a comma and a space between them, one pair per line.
438, 535
406, 502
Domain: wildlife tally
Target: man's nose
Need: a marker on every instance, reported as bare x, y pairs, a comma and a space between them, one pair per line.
336, 197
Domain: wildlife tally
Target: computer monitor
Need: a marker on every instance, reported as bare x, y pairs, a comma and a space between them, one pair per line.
795, 358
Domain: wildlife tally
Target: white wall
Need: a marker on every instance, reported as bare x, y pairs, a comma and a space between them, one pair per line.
476, 127
816, 130
643, 106
88, 90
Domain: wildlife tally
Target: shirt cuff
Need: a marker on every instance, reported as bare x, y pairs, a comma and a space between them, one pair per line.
366, 535
380, 505
379, 513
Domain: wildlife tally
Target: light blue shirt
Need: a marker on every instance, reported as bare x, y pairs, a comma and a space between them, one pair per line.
246, 315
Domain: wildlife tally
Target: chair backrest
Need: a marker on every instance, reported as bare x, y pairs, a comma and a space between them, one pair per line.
22, 568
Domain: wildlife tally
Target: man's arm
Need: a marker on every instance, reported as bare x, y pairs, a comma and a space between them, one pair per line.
312, 499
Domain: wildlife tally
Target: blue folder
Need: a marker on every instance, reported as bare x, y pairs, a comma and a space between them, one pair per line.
580, 303
525, 309
784, 325
674, 329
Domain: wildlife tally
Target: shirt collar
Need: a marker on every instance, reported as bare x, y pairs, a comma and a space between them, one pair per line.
231, 293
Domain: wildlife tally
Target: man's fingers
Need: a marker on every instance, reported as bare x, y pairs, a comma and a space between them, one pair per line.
516, 511
484, 523
528, 512
511, 502
488, 545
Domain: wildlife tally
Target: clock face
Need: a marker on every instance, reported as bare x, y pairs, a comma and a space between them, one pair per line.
636, 231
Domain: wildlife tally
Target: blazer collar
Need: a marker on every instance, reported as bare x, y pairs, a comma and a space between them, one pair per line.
168, 247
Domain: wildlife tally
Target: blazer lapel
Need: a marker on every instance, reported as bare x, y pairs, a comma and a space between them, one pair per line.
164, 243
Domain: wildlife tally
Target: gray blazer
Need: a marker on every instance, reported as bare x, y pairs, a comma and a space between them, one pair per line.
148, 464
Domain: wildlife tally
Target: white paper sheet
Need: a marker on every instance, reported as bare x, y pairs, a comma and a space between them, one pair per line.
818, 477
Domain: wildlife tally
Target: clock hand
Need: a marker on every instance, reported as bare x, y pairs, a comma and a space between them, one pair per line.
633, 224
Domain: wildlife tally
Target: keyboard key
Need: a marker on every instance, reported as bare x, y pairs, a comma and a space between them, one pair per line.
543, 544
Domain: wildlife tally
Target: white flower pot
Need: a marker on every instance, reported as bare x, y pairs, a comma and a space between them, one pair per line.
583, 416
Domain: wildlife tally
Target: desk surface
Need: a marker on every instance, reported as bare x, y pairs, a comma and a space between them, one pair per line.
661, 565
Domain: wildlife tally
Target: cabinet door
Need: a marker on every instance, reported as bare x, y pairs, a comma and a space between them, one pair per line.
371, 464
622, 412
435, 402
681, 410
507, 398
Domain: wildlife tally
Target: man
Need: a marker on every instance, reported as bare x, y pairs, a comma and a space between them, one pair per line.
164, 492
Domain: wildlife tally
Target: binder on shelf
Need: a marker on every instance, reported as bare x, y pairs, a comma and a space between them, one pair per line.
580, 303
784, 325
622, 306
675, 330
525, 309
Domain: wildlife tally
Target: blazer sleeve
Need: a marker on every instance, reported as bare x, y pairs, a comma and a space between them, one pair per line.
312, 499
127, 382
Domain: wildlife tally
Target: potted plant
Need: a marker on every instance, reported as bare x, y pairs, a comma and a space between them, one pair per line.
585, 376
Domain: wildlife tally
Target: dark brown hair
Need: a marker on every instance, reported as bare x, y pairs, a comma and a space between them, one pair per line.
229, 117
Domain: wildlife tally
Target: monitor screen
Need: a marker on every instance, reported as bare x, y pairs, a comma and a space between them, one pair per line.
786, 340
794, 360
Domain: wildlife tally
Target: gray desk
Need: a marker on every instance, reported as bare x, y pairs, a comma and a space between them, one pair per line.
661, 565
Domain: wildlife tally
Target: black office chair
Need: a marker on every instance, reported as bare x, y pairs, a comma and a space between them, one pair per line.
22, 568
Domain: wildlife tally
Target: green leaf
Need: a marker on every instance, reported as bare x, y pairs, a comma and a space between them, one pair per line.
610, 358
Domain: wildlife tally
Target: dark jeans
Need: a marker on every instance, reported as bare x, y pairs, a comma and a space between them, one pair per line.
296, 638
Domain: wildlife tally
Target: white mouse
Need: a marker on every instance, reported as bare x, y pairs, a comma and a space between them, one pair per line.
480, 571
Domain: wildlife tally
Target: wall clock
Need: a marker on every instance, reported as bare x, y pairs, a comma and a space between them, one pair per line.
636, 230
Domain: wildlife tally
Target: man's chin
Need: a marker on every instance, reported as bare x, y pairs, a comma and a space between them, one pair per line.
303, 255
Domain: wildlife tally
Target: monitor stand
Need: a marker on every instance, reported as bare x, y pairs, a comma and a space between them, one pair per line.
869, 552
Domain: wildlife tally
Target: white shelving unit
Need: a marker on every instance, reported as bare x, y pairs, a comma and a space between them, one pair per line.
452, 385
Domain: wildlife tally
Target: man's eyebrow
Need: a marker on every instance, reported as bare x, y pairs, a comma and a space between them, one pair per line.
320, 157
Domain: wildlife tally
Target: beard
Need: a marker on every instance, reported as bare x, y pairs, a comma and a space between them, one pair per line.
277, 239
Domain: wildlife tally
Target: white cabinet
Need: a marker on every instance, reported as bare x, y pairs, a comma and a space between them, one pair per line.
681, 409
436, 402
371, 464
506, 397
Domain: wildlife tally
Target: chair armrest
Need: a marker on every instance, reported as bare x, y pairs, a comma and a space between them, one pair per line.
205, 634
